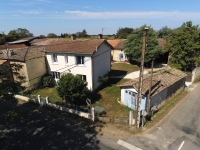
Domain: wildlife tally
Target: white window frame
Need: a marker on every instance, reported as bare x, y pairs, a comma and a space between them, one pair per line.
82, 60
54, 58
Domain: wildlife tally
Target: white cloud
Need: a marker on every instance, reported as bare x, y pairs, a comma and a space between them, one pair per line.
30, 12
133, 15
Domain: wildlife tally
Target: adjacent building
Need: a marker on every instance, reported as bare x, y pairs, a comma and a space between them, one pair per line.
164, 85
32, 60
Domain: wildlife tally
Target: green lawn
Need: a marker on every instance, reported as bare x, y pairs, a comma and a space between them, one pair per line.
108, 94
50, 92
123, 68
108, 97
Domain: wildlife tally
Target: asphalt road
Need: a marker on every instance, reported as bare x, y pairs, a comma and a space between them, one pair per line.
179, 131
41, 131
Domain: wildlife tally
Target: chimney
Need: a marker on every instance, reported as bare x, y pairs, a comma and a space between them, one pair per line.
100, 36
73, 37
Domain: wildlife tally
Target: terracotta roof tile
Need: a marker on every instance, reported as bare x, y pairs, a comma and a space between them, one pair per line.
75, 46
160, 80
117, 44
23, 54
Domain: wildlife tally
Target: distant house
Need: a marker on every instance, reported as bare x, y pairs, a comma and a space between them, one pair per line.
118, 50
88, 58
33, 61
26, 41
164, 85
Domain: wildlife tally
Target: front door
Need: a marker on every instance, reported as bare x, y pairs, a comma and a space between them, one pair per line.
130, 99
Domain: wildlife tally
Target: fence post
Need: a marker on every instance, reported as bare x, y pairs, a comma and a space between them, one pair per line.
92, 113
47, 100
131, 118
39, 99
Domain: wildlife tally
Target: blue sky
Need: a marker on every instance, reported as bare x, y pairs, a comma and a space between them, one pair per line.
41, 17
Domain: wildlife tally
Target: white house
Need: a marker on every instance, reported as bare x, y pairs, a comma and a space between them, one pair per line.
118, 50
89, 58
164, 85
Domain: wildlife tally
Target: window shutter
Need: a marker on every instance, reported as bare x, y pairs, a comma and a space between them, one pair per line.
84, 59
75, 60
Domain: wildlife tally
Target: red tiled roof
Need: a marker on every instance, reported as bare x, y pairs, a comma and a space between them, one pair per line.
117, 44
75, 46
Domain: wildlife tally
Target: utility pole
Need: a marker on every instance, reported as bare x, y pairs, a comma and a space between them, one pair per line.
141, 78
102, 30
149, 95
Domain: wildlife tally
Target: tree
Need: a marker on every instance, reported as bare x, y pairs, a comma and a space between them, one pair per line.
184, 46
71, 88
133, 46
81, 34
20, 33
42, 36
51, 35
123, 33
162, 32
8, 86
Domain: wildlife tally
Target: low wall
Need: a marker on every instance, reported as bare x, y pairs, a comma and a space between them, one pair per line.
195, 73
59, 107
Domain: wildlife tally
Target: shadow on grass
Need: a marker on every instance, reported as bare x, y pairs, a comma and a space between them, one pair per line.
97, 95
118, 72
45, 128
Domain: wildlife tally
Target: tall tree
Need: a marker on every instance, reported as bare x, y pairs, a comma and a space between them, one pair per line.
72, 88
133, 46
162, 32
20, 33
123, 33
184, 46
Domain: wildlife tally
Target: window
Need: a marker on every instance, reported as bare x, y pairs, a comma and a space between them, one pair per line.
83, 77
80, 60
54, 58
56, 75
66, 59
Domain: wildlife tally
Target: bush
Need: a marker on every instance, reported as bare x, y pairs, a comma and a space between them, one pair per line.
47, 80
197, 79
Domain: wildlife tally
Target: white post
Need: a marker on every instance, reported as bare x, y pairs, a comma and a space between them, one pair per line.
92, 113
130, 117
47, 100
39, 99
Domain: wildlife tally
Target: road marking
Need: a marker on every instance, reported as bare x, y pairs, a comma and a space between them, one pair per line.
181, 145
127, 145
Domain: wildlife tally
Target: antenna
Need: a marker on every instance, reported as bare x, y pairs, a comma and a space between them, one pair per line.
102, 30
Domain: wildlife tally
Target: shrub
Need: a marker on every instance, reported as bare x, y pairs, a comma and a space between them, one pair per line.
47, 80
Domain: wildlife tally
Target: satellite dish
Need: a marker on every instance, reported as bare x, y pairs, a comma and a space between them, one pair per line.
88, 101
